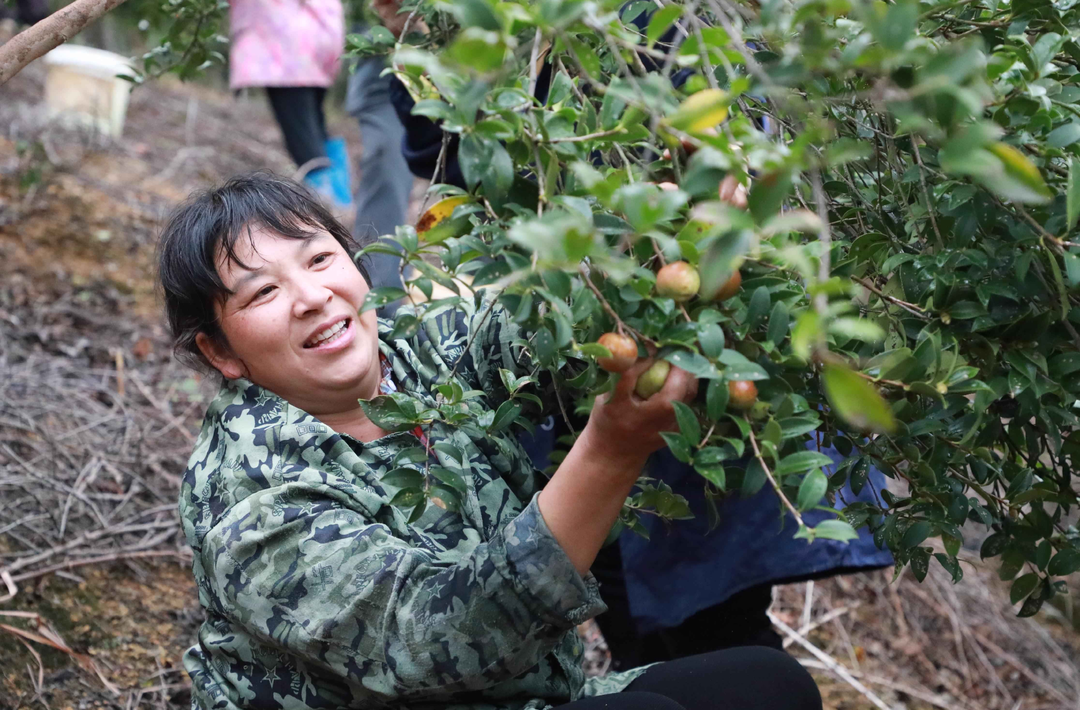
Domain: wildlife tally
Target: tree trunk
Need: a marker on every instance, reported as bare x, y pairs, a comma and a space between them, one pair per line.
51, 32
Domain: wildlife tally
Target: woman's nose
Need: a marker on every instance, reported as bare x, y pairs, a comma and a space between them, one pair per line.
311, 297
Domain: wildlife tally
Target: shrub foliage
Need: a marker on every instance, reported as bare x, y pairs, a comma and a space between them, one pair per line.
909, 289
910, 285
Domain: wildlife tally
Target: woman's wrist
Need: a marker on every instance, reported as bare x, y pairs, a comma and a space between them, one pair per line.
608, 447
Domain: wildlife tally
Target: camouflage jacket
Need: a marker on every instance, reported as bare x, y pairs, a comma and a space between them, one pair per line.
319, 594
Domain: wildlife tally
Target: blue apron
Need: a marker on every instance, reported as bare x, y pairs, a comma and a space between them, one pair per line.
684, 568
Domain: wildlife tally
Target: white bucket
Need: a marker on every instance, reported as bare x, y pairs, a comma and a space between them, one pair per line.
82, 84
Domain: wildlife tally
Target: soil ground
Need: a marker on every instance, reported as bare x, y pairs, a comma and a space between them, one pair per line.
96, 419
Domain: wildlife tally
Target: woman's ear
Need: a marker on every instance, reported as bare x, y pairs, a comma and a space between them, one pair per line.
220, 357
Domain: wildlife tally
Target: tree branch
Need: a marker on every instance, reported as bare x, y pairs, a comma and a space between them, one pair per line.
48, 34
772, 480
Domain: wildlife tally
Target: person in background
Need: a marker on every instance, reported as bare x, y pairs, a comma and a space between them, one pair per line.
293, 49
25, 12
688, 589
382, 194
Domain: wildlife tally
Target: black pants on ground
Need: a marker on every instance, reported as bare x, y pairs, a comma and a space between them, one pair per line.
741, 620
750, 678
299, 112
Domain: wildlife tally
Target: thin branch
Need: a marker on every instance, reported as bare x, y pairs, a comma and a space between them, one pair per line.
607, 307
909, 307
534, 59
579, 139
821, 301
829, 662
926, 193
772, 480
50, 33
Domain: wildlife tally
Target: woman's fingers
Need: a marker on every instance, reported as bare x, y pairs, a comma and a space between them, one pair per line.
680, 385
627, 380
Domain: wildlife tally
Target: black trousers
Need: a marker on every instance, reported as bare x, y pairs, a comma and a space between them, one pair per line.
299, 113
741, 620
750, 678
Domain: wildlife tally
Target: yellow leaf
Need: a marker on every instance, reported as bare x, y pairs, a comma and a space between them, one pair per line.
700, 111
433, 227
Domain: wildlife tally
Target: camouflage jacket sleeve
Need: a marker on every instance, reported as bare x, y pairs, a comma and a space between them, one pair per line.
299, 567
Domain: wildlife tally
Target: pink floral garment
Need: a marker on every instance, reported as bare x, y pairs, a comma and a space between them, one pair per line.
285, 42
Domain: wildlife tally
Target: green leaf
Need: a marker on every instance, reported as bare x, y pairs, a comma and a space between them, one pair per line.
716, 399
920, 563
754, 479
475, 13
994, 545
856, 400
661, 21
835, 530
386, 413
812, 489
722, 259
711, 339
379, 297
759, 306
403, 478
779, 320
1031, 606
1064, 563
693, 363
688, 423
1020, 180
858, 329
805, 334
407, 498
1064, 135
1072, 194
507, 412
802, 461
714, 474
915, 534
1072, 267
478, 49
452, 479
951, 565
768, 194
1022, 587
680, 447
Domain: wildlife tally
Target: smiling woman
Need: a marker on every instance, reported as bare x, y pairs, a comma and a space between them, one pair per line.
319, 591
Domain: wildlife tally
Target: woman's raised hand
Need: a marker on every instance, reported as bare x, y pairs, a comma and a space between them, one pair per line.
584, 497
629, 425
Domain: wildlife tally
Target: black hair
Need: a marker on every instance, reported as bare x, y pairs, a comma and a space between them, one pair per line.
208, 225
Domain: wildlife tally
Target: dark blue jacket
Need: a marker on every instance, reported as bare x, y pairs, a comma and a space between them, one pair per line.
684, 568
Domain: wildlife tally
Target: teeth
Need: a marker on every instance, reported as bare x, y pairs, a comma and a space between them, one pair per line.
327, 334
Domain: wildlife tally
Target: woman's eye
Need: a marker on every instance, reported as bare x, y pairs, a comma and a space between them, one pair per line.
262, 292
320, 259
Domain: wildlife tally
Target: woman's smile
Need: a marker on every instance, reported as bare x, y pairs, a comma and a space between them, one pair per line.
332, 338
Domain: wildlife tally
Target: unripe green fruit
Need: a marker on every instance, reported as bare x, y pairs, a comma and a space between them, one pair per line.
623, 352
652, 380
678, 280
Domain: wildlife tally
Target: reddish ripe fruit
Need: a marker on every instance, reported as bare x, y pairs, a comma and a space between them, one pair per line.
623, 352
678, 280
729, 289
652, 380
742, 394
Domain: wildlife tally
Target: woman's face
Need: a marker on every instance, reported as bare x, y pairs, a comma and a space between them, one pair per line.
292, 325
